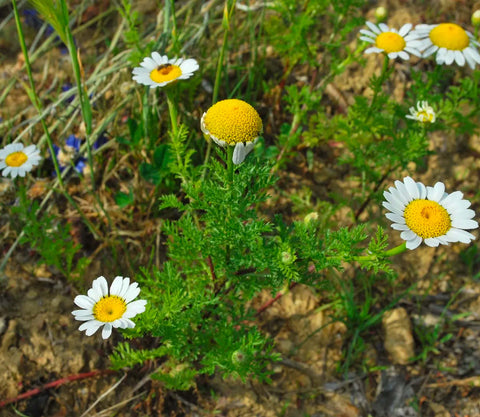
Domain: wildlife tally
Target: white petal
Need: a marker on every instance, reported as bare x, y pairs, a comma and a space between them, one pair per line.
116, 286
405, 29
393, 208
373, 27
432, 242
464, 224
132, 293
100, 286
459, 58
411, 187
408, 235
84, 302
436, 193
395, 218
457, 235
413, 244
239, 153
134, 308
107, 331
400, 227
90, 327
384, 28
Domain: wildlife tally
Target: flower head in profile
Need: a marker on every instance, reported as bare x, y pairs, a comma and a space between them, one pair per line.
450, 42
233, 122
16, 160
110, 309
423, 113
394, 43
158, 70
429, 214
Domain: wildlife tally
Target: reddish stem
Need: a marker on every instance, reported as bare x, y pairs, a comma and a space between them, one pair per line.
54, 384
272, 300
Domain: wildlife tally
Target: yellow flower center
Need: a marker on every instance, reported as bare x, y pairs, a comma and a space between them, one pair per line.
109, 308
16, 159
165, 73
233, 121
425, 117
427, 218
390, 42
449, 36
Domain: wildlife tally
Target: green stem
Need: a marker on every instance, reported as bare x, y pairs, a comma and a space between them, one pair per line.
230, 164
227, 13
37, 103
172, 109
378, 85
391, 252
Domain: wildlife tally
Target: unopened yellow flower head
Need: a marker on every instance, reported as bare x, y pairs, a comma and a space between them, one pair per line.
380, 13
233, 122
476, 18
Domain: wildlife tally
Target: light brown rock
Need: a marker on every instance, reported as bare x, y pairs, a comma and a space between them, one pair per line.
398, 335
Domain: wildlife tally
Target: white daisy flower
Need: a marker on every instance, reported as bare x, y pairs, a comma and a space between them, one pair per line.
158, 70
233, 122
423, 113
428, 214
390, 41
114, 309
15, 159
450, 42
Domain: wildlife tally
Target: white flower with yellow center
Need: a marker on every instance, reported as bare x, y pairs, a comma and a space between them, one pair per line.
423, 113
450, 42
16, 160
429, 214
235, 123
158, 70
108, 309
390, 41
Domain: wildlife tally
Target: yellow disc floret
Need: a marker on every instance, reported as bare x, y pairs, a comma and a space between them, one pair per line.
449, 36
109, 308
16, 159
390, 42
427, 218
233, 121
165, 73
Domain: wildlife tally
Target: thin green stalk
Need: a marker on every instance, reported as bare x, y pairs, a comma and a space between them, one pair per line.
85, 105
378, 85
172, 109
36, 102
227, 13
391, 252
230, 150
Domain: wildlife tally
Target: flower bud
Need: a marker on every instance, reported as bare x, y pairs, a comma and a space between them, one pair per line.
476, 18
380, 13
310, 217
287, 258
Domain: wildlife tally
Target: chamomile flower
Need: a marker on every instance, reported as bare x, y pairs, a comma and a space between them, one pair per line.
394, 43
235, 123
109, 309
450, 42
17, 160
158, 70
423, 113
429, 214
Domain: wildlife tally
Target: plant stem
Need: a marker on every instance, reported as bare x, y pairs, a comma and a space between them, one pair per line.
230, 164
227, 13
37, 103
172, 109
378, 85
391, 252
